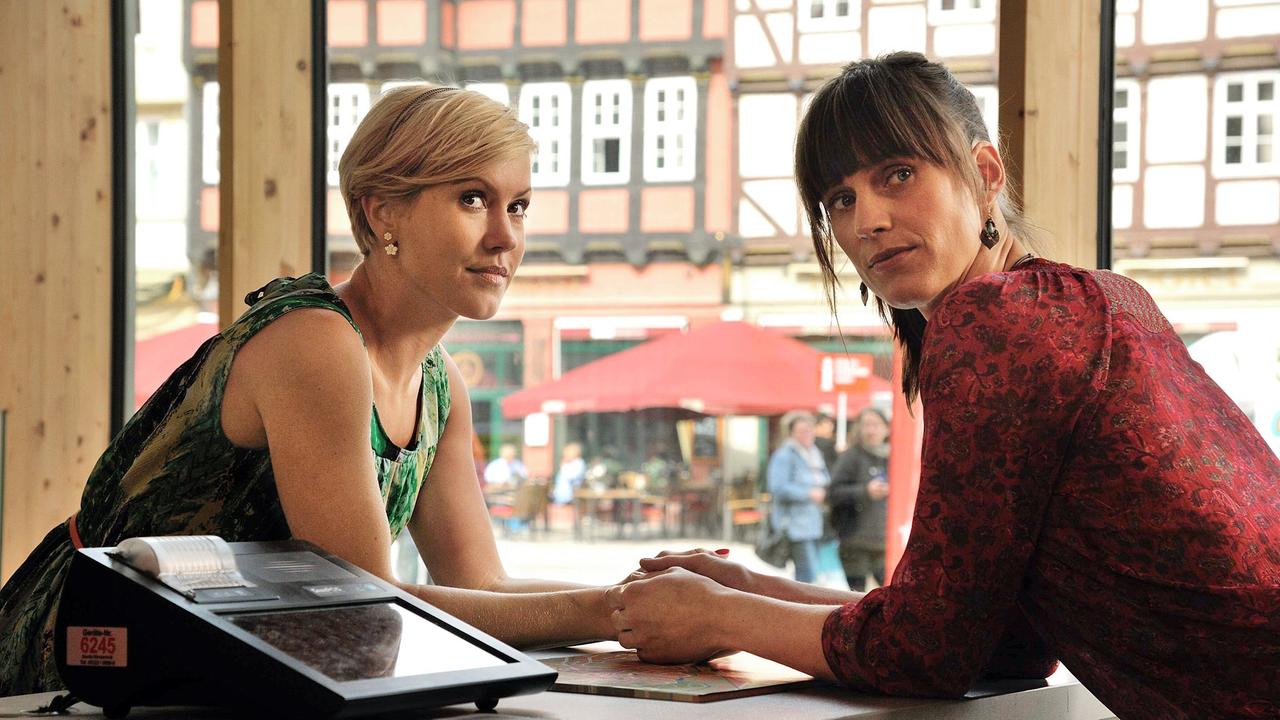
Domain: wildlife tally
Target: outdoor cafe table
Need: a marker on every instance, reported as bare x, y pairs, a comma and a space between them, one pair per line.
587, 503
1062, 699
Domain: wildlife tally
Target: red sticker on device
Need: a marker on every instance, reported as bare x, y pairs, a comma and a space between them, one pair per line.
98, 647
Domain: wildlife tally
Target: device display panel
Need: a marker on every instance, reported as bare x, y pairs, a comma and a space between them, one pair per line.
365, 642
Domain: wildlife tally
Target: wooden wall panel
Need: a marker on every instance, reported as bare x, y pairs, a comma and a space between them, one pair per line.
264, 67
1049, 115
55, 260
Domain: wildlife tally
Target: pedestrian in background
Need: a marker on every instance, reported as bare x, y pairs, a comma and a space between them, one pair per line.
573, 470
506, 471
797, 479
859, 499
824, 437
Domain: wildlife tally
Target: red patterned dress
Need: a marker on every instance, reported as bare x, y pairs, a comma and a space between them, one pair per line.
1087, 494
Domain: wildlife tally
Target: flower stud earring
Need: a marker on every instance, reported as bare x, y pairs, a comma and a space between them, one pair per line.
392, 247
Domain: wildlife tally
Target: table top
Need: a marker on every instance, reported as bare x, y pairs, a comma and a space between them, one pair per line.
1063, 698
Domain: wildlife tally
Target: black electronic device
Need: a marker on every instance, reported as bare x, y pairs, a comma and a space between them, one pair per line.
280, 627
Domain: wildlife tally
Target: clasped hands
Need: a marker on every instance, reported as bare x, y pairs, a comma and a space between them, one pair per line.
677, 607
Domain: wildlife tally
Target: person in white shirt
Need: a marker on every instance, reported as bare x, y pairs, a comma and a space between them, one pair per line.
573, 469
506, 470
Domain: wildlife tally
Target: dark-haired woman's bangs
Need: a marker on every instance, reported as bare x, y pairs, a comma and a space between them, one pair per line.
848, 131
906, 125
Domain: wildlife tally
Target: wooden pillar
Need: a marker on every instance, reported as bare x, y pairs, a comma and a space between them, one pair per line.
1049, 60
55, 261
264, 72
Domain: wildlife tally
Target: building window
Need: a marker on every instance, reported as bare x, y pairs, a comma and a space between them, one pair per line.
1245, 110
348, 102
496, 91
820, 15
606, 131
1125, 116
545, 108
947, 12
209, 134
670, 129
161, 169
988, 97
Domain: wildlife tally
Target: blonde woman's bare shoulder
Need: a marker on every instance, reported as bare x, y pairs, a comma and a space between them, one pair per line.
306, 336
309, 357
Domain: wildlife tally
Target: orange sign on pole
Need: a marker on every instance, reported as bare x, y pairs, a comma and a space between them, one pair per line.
844, 374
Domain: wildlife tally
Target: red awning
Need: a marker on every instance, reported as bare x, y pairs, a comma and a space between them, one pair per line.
727, 368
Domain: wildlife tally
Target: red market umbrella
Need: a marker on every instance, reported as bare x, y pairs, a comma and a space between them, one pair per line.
155, 358
726, 368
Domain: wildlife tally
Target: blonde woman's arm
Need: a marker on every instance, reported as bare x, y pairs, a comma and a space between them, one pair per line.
310, 405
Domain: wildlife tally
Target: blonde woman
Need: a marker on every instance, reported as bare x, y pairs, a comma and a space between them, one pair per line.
332, 414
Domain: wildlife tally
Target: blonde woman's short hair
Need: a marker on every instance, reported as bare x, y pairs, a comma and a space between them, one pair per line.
423, 135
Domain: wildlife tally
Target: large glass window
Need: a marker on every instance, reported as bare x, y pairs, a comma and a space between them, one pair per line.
707, 229
664, 208
175, 187
1194, 220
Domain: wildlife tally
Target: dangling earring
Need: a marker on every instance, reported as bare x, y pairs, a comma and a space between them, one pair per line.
862, 289
990, 235
392, 247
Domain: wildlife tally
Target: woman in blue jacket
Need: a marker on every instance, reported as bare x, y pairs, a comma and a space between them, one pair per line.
798, 480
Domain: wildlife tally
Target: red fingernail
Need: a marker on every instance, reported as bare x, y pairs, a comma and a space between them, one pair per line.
722, 551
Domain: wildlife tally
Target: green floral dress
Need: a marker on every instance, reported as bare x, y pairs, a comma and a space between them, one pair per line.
171, 471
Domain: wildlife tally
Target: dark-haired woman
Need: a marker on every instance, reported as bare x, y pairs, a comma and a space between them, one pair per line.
1087, 493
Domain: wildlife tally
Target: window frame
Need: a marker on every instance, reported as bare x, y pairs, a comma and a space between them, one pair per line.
559, 135
984, 13
594, 92
1249, 109
988, 97
1132, 117
160, 202
659, 130
209, 133
829, 21
339, 128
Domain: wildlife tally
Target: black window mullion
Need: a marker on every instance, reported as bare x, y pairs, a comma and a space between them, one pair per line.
1106, 112
319, 135
124, 25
